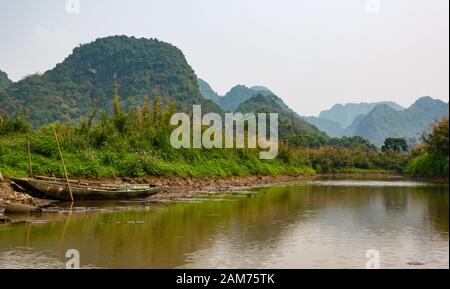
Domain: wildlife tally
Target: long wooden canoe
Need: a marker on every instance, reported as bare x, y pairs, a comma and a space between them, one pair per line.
58, 190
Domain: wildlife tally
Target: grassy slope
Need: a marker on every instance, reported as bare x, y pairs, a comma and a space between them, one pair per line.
108, 163
91, 162
136, 143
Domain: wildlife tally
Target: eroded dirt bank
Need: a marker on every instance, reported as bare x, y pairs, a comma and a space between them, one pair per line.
178, 187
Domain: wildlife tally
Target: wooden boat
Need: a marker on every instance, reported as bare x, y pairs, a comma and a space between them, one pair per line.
57, 189
71, 190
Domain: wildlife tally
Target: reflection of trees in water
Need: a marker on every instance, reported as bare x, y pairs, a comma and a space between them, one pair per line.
427, 205
169, 232
395, 200
435, 199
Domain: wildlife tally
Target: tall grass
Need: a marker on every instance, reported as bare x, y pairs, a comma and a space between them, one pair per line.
136, 143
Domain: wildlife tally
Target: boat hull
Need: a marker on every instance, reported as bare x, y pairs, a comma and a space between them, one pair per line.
60, 191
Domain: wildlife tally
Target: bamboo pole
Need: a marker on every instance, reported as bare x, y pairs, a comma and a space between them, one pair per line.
29, 160
63, 165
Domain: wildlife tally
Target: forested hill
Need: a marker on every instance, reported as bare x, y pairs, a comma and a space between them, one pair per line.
237, 95
207, 92
138, 68
4, 80
292, 128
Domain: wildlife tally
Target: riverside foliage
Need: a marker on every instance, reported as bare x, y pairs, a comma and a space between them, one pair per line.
431, 157
136, 142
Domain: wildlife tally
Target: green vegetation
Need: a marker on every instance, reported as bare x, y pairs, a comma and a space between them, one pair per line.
351, 142
135, 142
432, 157
395, 144
13, 125
130, 137
240, 94
292, 128
236, 96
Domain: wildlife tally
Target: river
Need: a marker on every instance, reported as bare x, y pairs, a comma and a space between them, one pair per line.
317, 223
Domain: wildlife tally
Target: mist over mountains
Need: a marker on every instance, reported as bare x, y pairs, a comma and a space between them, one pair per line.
345, 114
373, 121
142, 70
379, 121
237, 95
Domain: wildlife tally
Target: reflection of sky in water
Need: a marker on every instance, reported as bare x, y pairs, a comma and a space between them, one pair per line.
358, 183
331, 225
337, 236
14, 259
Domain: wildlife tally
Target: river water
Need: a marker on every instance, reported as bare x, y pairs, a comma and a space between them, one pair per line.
321, 223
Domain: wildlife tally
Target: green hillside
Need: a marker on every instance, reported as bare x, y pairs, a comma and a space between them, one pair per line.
292, 128
239, 94
4, 80
137, 68
208, 92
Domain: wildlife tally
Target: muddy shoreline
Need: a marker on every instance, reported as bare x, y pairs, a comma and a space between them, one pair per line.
176, 187
184, 187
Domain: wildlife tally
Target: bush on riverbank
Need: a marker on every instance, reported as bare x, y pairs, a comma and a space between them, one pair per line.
432, 157
428, 166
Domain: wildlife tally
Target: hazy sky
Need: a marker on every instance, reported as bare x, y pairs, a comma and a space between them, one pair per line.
312, 53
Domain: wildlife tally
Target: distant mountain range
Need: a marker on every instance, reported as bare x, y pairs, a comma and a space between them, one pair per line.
383, 121
345, 114
208, 92
143, 69
291, 126
138, 69
234, 97
372, 121
378, 121
260, 99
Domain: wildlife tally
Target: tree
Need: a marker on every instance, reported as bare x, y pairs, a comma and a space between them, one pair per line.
437, 140
395, 145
